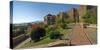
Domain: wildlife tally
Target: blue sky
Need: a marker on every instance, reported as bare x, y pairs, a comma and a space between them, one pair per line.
24, 12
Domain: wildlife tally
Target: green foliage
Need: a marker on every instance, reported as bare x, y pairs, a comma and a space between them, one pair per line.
62, 22
55, 35
45, 25
64, 26
90, 18
36, 34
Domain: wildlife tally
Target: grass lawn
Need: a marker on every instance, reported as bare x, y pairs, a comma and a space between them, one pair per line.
66, 32
32, 44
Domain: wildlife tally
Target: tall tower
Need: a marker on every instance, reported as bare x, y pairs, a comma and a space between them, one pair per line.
75, 15
82, 11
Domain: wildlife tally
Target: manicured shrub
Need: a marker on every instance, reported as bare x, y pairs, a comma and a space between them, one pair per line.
55, 35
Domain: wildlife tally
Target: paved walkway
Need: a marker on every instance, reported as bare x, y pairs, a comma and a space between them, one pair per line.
78, 36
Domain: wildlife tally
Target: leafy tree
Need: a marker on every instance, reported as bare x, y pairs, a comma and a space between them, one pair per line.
36, 34
90, 17
64, 26
62, 20
55, 35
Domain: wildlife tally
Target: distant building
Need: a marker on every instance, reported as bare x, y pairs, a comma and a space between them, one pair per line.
74, 14
49, 19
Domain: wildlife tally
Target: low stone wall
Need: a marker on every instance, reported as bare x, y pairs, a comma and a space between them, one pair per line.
19, 39
92, 26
